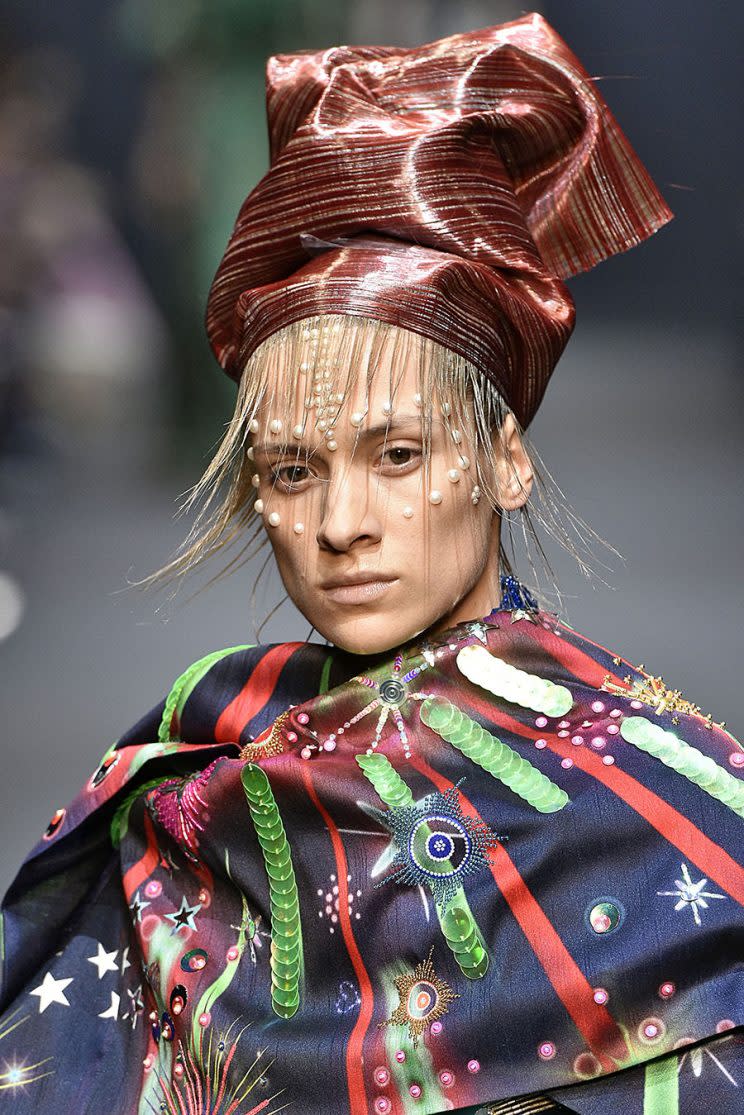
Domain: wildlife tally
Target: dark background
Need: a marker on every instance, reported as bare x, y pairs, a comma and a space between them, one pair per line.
129, 134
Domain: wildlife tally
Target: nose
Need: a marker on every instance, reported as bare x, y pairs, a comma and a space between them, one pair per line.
349, 515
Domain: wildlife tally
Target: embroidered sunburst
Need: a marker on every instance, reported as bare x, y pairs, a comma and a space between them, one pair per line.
436, 844
424, 998
655, 692
391, 697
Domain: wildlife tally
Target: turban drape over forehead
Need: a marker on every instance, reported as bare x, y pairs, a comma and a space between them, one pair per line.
447, 189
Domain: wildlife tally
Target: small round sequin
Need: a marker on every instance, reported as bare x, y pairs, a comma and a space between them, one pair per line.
383, 1105
302, 718
563, 733
232, 953
153, 889
414, 1090
55, 823
436, 1028
540, 744
612, 729
616, 712
604, 916
400, 1056
600, 996
382, 1076
667, 989
541, 721
597, 706
577, 740
608, 760
306, 752
546, 1050
194, 960
473, 1066
205, 1018
567, 763
446, 1078
725, 1024
651, 1030
598, 742
736, 759
178, 1069
636, 704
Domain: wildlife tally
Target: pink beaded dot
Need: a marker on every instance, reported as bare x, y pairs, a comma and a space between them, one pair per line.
178, 1069
382, 1076
415, 1091
600, 995
291, 737
597, 706
147, 1062
541, 721
651, 1030
233, 952
446, 1078
546, 1050
577, 740
329, 745
608, 760
636, 704
616, 712
540, 743
563, 733
598, 742
667, 989
306, 753
153, 889
566, 763
473, 1066
383, 1105
400, 1056
612, 729
205, 1018
736, 758
302, 718
436, 1027
564, 724
724, 1024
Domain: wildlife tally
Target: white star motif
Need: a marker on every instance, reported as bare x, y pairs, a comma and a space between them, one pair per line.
691, 894
104, 961
52, 991
111, 1011
125, 960
183, 918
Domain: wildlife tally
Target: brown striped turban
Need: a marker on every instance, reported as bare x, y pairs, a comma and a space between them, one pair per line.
447, 189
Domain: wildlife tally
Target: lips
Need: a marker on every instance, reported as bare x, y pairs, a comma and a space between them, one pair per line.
363, 589
360, 578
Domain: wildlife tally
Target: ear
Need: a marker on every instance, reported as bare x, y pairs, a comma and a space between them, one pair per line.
514, 471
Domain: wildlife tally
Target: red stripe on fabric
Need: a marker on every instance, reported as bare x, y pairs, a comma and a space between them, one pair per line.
144, 867
254, 694
711, 858
355, 1047
584, 668
593, 1021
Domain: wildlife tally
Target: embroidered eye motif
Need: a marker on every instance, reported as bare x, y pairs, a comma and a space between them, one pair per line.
435, 844
423, 999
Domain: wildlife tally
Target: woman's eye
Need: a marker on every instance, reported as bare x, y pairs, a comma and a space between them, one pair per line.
399, 456
291, 476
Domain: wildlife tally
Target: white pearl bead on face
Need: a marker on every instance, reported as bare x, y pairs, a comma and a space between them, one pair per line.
256, 480
332, 446
417, 399
253, 427
299, 528
453, 475
258, 506
387, 409
274, 519
435, 496
446, 410
297, 432
357, 418
407, 512
456, 437
249, 453
275, 425
464, 462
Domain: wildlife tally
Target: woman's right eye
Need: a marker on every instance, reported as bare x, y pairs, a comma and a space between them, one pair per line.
292, 476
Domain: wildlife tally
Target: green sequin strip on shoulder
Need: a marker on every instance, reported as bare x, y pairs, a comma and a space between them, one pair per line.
686, 760
495, 757
286, 933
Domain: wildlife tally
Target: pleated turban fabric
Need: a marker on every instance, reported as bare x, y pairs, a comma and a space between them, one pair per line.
448, 189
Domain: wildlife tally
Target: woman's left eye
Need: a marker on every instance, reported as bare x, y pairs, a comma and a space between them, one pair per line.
399, 456
290, 476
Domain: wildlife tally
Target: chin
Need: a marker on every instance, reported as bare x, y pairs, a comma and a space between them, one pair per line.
372, 634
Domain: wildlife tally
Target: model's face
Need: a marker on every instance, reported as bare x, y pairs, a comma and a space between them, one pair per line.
370, 549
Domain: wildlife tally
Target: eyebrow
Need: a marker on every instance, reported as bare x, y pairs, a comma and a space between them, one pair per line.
391, 426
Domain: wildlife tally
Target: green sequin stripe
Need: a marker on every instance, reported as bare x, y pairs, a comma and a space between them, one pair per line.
286, 933
504, 680
183, 687
492, 755
456, 920
686, 760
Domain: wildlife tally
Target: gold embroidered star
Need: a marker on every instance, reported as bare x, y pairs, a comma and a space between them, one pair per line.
655, 692
423, 999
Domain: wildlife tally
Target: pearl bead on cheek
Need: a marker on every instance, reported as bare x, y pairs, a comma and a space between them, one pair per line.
435, 496
275, 425
299, 528
258, 506
407, 512
453, 475
274, 519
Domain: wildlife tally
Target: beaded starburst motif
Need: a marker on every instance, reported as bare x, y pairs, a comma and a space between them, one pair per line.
424, 998
655, 692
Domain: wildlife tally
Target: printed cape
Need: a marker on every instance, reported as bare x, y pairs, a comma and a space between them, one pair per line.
501, 863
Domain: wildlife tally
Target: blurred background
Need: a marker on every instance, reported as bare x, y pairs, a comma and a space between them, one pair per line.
129, 134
